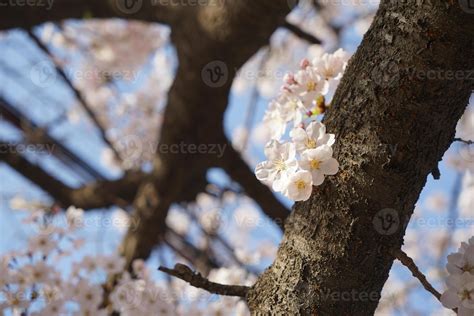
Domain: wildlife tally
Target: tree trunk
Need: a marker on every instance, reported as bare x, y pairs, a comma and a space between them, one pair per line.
223, 34
394, 116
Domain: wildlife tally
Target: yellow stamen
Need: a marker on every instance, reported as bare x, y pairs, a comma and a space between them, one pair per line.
311, 86
310, 143
320, 101
280, 165
315, 164
300, 184
464, 295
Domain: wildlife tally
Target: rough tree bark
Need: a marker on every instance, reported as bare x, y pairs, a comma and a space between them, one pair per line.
392, 125
393, 122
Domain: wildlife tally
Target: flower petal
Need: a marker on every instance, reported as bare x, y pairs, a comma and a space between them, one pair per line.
330, 167
450, 299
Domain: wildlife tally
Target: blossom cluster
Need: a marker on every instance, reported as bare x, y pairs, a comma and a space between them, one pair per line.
293, 167
31, 284
55, 274
460, 291
119, 56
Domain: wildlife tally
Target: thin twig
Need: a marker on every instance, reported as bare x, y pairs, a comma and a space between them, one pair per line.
467, 142
185, 273
76, 92
301, 34
410, 264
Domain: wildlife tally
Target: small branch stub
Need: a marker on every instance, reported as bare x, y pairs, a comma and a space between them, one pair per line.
310, 38
410, 264
467, 142
185, 273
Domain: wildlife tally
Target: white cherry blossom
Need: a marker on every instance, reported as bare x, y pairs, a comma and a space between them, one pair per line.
274, 121
280, 165
113, 264
460, 293
75, 217
43, 243
304, 95
178, 221
292, 109
39, 272
466, 245
88, 295
125, 296
310, 85
461, 262
313, 136
300, 186
465, 128
331, 66
52, 309
319, 162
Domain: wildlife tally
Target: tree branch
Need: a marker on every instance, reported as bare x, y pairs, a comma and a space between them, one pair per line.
184, 273
16, 16
310, 38
80, 98
37, 135
467, 142
189, 120
106, 193
55, 188
410, 264
95, 195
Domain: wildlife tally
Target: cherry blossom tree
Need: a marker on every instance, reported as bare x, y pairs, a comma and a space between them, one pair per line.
135, 110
